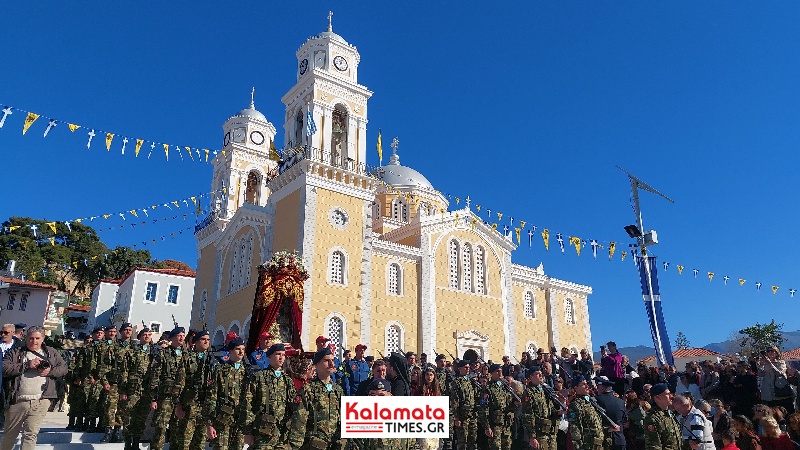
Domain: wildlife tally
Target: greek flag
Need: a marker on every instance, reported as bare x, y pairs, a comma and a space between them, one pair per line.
652, 301
311, 127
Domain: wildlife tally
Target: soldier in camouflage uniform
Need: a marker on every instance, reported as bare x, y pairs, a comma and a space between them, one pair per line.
540, 416
121, 347
222, 400
77, 393
661, 430
195, 377
134, 380
165, 386
112, 420
463, 404
497, 415
316, 423
585, 424
92, 381
445, 379
268, 404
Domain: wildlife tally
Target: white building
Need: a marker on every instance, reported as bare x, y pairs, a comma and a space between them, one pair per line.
32, 303
152, 296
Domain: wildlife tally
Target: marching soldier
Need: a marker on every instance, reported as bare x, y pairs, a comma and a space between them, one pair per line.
661, 430
540, 416
356, 371
134, 380
165, 386
77, 394
316, 422
92, 382
222, 400
463, 404
323, 342
268, 404
585, 424
445, 380
497, 415
195, 376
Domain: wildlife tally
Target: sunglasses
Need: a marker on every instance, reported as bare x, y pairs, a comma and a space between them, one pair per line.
5, 332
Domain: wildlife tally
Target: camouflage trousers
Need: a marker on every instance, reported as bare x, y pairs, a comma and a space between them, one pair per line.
466, 435
112, 417
546, 441
92, 394
77, 401
501, 440
190, 432
137, 409
278, 440
229, 437
162, 419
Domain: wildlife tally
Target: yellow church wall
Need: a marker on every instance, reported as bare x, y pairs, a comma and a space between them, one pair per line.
287, 216
491, 269
527, 329
400, 308
570, 334
204, 281
460, 311
327, 298
236, 306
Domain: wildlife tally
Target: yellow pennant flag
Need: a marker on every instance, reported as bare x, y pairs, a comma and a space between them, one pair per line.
612, 247
78, 220
224, 190
710, 276
133, 211
680, 269
194, 200
106, 216
478, 207
576, 241
12, 228
73, 127
273, 152
52, 226
522, 224
166, 150
29, 121
458, 200
518, 230
457, 218
189, 150
474, 221
499, 216
741, 281
52, 241
624, 254
546, 238
223, 153
75, 264
379, 147
139, 143
109, 138
775, 289
206, 150
154, 207
494, 227
176, 204
25, 244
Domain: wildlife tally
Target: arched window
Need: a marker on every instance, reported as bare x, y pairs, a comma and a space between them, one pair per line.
531, 347
394, 280
422, 209
339, 135
336, 333
569, 311
253, 192
249, 263
480, 270
530, 305
234, 269
400, 209
298, 128
394, 337
466, 267
452, 249
337, 267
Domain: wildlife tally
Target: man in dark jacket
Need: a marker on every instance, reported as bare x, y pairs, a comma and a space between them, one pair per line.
397, 375
33, 371
615, 410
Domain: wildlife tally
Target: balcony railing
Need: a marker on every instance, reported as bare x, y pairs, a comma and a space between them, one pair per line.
293, 156
212, 216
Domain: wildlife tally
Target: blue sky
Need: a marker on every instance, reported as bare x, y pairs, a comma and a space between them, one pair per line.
525, 106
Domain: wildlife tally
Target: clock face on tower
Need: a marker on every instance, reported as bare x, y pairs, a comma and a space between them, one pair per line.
303, 66
238, 135
257, 137
340, 63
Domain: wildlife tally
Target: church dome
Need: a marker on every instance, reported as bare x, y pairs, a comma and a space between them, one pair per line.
251, 112
401, 176
331, 36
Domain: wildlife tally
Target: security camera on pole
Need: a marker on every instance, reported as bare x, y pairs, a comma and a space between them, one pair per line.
647, 272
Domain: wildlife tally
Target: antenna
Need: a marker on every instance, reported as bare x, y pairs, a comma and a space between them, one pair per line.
637, 231
641, 184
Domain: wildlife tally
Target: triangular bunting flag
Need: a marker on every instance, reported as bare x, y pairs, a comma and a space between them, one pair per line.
135, 214
29, 121
73, 127
109, 138
166, 151
774, 289
576, 241
52, 226
741, 281
546, 238
139, 143
612, 247
680, 269
519, 239
710, 276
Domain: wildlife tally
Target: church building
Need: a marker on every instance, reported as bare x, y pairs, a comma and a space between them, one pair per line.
392, 263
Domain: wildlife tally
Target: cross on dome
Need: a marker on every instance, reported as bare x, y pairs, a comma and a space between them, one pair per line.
330, 21
252, 98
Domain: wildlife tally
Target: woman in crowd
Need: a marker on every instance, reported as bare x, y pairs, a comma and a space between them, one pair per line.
793, 427
302, 372
720, 419
429, 387
746, 437
760, 412
416, 381
634, 428
525, 360
775, 390
774, 438
688, 383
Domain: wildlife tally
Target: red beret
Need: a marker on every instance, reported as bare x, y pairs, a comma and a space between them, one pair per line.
361, 346
231, 335
322, 339
265, 335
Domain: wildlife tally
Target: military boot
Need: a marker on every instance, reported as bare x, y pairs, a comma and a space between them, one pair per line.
81, 424
107, 435
117, 436
71, 424
92, 427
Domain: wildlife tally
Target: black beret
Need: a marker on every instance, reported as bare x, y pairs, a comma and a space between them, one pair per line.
96, 329
369, 358
198, 335
176, 331
577, 379
378, 384
321, 354
235, 342
534, 368
440, 356
410, 354
494, 367
20, 325
125, 325
111, 327
143, 330
658, 389
275, 348
603, 380
462, 363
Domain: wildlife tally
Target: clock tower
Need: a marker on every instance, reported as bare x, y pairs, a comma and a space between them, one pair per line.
327, 87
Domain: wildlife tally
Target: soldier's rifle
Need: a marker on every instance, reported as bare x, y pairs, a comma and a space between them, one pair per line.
552, 395
382, 357
174, 322
505, 384
451, 356
602, 412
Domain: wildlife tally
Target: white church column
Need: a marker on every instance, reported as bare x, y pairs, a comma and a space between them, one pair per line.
362, 141
366, 275
327, 131
427, 335
507, 295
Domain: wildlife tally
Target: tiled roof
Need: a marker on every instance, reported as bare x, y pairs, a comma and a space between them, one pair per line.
791, 354
27, 283
686, 353
175, 272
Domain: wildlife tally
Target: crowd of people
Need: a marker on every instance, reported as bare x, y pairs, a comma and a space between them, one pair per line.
188, 394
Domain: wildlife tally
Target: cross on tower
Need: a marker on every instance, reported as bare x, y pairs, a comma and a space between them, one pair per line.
330, 20
395, 143
252, 98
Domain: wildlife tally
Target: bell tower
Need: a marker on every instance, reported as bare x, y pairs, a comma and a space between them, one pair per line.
327, 88
244, 161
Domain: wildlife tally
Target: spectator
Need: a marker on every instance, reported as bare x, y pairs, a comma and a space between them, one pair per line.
33, 370
774, 438
615, 410
634, 428
7, 338
302, 373
721, 421
710, 381
745, 391
611, 364
586, 365
19, 335
525, 360
746, 437
793, 427
775, 390
671, 377
729, 440
637, 384
688, 383
507, 366
430, 387
569, 364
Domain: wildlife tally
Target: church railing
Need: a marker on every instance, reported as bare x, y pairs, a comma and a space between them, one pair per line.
205, 222
292, 156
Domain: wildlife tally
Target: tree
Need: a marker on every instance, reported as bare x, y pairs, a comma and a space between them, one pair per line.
681, 341
757, 338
